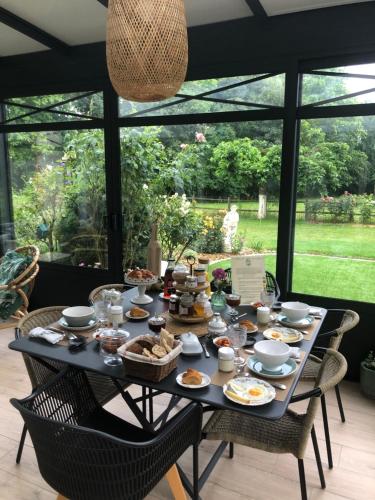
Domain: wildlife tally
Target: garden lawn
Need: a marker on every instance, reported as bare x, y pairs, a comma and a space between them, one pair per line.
327, 276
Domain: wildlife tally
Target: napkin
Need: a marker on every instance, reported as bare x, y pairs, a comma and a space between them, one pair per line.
295, 352
46, 334
315, 311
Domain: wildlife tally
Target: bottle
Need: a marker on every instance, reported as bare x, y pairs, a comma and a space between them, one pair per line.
168, 279
154, 252
226, 359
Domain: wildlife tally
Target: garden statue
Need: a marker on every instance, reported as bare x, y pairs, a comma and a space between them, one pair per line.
230, 224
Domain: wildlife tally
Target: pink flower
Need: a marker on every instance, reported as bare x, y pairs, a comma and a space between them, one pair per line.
183, 146
219, 274
81, 264
199, 137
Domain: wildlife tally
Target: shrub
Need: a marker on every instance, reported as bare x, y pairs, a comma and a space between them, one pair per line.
210, 239
237, 243
257, 245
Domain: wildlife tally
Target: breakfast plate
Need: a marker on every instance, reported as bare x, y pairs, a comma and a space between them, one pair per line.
91, 324
249, 391
206, 380
286, 369
302, 323
249, 325
287, 335
137, 318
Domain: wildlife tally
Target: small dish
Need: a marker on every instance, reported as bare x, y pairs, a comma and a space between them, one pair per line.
254, 329
161, 296
237, 391
282, 334
302, 323
289, 367
206, 380
223, 338
91, 324
137, 318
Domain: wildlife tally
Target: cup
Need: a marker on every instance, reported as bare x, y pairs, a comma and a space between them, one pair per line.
263, 314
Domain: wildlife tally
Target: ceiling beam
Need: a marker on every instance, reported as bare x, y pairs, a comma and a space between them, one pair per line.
28, 29
256, 8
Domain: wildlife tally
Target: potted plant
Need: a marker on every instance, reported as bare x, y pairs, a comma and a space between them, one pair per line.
367, 376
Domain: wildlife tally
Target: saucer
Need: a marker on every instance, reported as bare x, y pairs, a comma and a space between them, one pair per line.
205, 381
91, 324
302, 323
286, 369
136, 318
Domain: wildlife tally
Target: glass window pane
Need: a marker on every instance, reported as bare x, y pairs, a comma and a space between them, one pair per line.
186, 177
58, 193
318, 88
80, 106
335, 226
268, 91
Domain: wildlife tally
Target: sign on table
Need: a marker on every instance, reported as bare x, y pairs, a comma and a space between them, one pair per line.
247, 277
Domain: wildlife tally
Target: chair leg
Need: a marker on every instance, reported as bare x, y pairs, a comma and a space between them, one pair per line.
22, 442
317, 456
302, 479
195, 472
175, 483
326, 431
151, 407
339, 402
231, 450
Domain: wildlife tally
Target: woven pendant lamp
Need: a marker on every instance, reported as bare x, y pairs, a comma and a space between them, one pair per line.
147, 49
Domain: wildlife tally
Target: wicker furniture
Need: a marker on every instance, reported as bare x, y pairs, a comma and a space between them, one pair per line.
86, 453
95, 294
349, 320
40, 373
289, 434
23, 284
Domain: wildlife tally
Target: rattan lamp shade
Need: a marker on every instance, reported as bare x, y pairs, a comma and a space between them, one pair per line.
147, 49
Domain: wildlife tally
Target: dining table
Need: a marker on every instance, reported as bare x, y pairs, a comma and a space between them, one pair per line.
211, 396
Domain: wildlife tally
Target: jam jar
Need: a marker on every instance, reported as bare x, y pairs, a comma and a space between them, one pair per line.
200, 273
156, 323
174, 304
186, 305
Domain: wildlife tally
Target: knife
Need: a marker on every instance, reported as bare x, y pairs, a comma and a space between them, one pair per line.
205, 350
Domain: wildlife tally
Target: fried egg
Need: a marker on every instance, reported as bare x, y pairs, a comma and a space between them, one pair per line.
276, 335
257, 392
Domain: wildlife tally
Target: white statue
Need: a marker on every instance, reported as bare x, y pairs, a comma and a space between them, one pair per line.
230, 224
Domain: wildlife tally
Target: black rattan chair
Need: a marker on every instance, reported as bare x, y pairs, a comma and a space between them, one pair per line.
86, 453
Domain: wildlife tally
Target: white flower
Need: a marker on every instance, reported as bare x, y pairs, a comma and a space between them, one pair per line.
145, 187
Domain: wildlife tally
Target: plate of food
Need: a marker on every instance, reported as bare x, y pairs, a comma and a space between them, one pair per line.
249, 391
222, 341
249, 325
137, 313
140, 277
193, 379
287, 335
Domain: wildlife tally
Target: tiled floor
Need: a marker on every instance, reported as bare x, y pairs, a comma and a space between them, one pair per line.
252, 474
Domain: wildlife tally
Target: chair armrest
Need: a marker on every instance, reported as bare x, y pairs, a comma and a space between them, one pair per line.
331, 333
316, 392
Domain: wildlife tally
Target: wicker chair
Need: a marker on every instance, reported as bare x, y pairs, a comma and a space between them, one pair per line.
95, 294
349, 320
86, 453
40, 373
289, 434
25, 279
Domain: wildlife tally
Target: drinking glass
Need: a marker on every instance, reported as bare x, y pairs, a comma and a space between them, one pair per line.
233, 300
110, 341
267, 297
101, 311
237, 336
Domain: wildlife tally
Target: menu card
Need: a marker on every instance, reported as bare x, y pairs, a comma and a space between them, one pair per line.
247, 277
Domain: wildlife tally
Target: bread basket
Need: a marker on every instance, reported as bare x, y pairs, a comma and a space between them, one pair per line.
137, 365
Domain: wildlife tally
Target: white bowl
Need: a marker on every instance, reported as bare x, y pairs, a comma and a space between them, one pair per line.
271, 354
78, 315
295, 311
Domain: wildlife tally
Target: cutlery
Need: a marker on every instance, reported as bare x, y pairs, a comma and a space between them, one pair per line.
69, 335
205, 350
249, 351
241, 316
282, 387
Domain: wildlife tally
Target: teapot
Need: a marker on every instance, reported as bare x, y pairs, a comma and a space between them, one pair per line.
217, 325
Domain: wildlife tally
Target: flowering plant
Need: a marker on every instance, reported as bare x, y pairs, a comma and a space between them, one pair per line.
220, 277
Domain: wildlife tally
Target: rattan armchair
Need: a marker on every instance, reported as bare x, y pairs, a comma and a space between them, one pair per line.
349, 320
40, 372
289, 434
95, 294
23, 284
87, 453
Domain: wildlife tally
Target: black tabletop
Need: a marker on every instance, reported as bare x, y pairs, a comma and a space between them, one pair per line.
90, 359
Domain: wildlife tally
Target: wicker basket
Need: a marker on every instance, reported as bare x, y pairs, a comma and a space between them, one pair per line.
140, 366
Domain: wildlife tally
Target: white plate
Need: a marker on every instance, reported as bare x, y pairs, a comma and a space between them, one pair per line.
246, 383
161, 296
127, 314
287, 335
302, 323
205, 381
220, 337
286, 369
64, 324
253, 330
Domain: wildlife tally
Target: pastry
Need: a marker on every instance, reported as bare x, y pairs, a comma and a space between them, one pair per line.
191, 377
135, 348
159, 351
137, 312
249, 325
166, 340
149, 354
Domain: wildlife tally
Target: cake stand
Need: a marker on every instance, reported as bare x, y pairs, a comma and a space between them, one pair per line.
142, 298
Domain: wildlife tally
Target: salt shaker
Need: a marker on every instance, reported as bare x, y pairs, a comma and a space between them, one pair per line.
116, 316
226, 359
263, 314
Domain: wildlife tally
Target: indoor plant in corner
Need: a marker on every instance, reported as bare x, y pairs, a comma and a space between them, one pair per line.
368, 376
